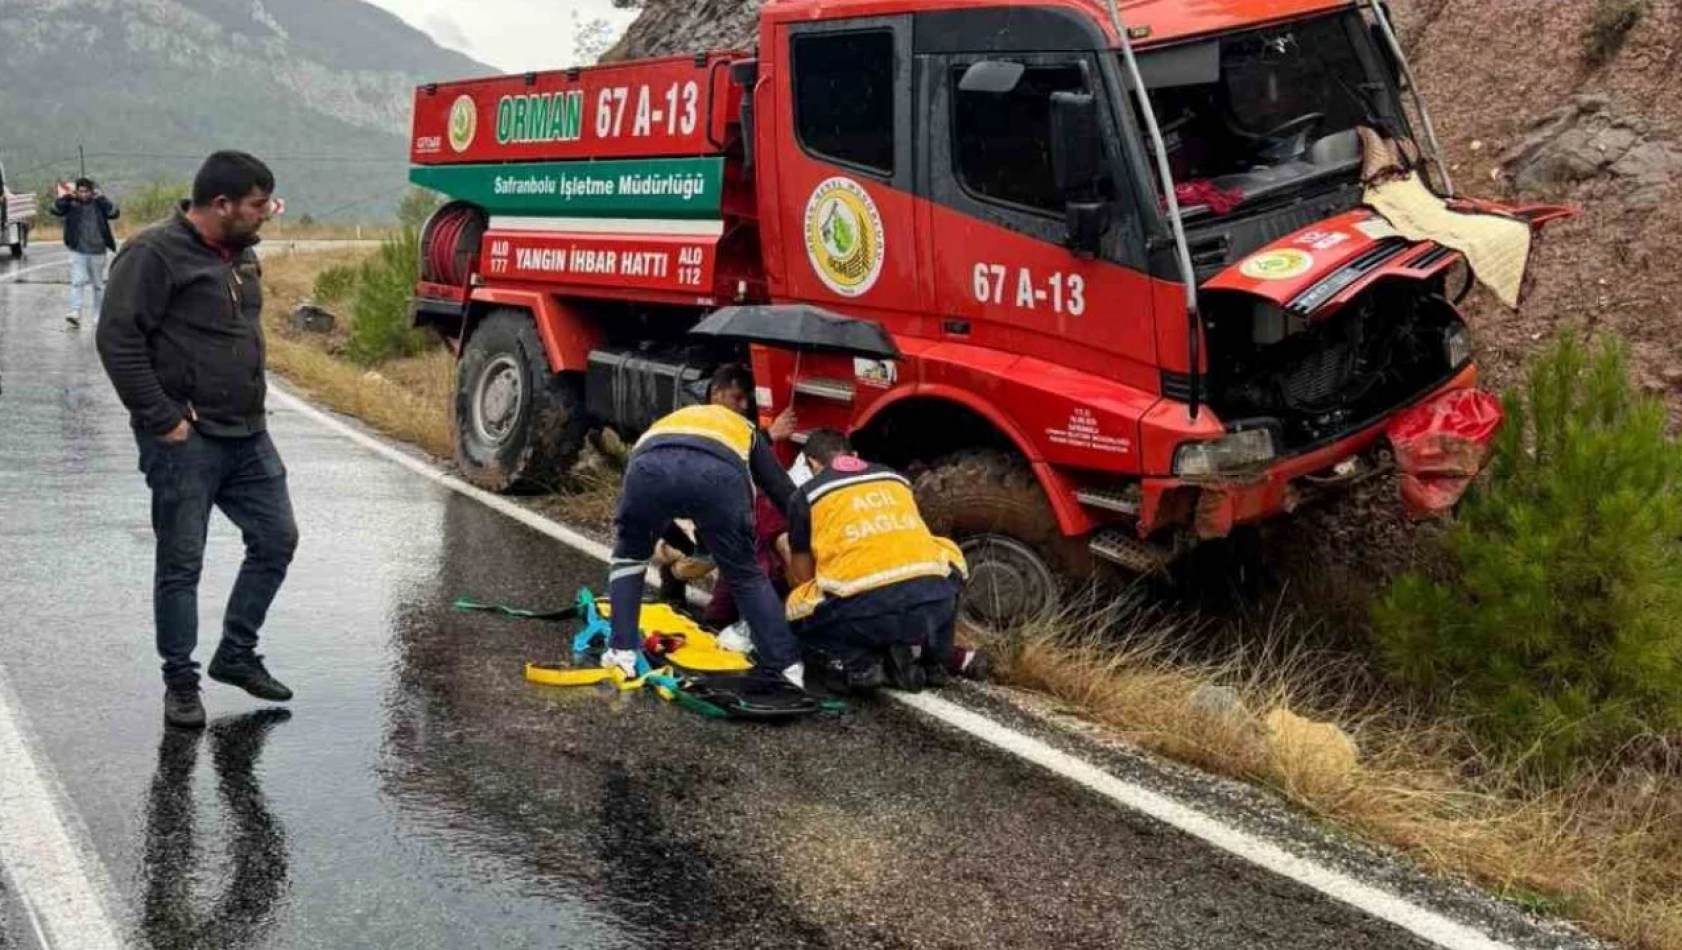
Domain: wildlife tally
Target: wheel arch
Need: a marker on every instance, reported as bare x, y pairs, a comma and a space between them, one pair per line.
921, 424
565, 327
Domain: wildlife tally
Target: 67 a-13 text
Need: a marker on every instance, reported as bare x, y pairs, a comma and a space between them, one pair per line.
1061, 293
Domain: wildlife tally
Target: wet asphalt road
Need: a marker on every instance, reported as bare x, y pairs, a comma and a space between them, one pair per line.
419, 794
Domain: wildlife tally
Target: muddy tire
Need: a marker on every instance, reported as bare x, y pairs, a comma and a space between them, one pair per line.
1020, 564
519, 427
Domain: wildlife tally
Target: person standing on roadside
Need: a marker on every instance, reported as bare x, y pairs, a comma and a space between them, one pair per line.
87, 215
181, 339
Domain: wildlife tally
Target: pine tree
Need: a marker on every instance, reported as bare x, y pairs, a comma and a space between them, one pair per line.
1560, 630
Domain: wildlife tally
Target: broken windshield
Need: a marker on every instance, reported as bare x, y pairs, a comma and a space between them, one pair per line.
1264, 112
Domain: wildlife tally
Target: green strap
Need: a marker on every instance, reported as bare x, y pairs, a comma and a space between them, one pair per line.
518, 613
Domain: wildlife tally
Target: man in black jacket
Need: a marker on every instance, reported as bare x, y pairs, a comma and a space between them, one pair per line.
181, 339
87, 215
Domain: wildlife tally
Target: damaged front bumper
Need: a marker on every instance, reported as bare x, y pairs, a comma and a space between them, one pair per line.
1211, 507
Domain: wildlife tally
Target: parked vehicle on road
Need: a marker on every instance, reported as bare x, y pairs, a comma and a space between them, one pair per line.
17, 216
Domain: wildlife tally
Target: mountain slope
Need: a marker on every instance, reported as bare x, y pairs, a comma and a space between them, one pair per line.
320, 88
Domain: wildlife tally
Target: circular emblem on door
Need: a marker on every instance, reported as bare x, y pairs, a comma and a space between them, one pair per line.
464, 123
844, 239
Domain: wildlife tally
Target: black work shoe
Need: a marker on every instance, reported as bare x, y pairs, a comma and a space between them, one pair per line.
902, 669
182, 708
934, 672
972, 664
248, 674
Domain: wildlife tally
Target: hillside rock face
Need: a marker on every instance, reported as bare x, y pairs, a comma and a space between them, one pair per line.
674, 27
146, 85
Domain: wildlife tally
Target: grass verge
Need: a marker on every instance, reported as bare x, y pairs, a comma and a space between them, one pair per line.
407, 398
1604, 849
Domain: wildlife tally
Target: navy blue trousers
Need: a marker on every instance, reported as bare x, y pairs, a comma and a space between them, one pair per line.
670, 482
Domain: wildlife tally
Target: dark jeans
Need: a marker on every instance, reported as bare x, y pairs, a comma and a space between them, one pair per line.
245, 478
672, 482
852, 634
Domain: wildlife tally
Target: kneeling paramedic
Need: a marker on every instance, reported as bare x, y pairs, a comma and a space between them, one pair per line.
874, 583
702, 463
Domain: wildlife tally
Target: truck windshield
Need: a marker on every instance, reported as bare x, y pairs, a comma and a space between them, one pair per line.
1263, 113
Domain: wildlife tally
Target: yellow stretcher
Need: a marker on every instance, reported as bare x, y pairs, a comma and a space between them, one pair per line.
697, 651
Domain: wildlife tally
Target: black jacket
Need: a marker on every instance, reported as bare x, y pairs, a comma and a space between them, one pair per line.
71, 211
181, 334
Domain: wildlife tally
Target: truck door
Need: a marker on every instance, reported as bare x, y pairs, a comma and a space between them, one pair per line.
1001, 270
844, 166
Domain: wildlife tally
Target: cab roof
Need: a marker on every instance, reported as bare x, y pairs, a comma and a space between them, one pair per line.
1150, 22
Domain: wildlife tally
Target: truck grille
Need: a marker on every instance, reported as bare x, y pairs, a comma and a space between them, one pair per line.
1318, 376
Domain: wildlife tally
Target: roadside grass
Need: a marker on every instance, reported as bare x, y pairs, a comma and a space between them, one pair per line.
407, 398
46, 230
1603, 849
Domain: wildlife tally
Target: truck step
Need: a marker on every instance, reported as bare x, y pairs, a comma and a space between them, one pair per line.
1121, 546
1123, 501
836, 390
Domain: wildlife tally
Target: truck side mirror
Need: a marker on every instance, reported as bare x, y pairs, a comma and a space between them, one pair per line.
1077, 164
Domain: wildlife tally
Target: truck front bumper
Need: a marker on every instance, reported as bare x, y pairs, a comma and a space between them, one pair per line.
1213, 507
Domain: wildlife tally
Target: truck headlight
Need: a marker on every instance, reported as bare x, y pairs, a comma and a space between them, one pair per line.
1237, 452
1457, 346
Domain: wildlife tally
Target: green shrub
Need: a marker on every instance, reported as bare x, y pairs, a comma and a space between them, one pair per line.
154, 202
1610, 28
417, 206
1560, 627
336, 283
381, 328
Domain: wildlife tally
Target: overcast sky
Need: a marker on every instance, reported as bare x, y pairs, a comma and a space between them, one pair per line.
512, 35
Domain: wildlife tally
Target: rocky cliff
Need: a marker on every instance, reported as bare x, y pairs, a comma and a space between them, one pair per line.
321, 87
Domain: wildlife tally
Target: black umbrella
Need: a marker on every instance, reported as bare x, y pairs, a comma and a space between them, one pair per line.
799, 327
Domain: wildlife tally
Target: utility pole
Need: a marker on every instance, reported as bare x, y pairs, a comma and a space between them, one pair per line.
82, 158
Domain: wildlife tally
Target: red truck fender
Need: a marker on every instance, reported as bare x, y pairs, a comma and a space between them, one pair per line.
1072, 519
567, 335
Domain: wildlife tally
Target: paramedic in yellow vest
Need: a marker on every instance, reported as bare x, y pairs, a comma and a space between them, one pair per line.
702, 463
876, 590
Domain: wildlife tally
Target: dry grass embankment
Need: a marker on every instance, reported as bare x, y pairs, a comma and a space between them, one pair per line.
408, 398
1605, 850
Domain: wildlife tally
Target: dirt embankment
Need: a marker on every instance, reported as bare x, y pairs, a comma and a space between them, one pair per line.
1527, 114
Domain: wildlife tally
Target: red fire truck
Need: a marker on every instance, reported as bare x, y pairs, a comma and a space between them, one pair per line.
1121, 249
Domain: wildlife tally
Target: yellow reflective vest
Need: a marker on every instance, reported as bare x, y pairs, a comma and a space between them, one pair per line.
715, 424
866, 535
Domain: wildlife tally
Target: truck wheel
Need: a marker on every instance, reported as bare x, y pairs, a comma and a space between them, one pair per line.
991, 505
518, 426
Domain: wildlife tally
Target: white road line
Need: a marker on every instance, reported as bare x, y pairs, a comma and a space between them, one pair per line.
61, 885
1382, 904
10, 276
1419, 921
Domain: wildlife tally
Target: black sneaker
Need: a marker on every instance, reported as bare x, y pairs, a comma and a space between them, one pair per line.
249, 674
902, 669
182, 708
74, 321
972, 664
934, 672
